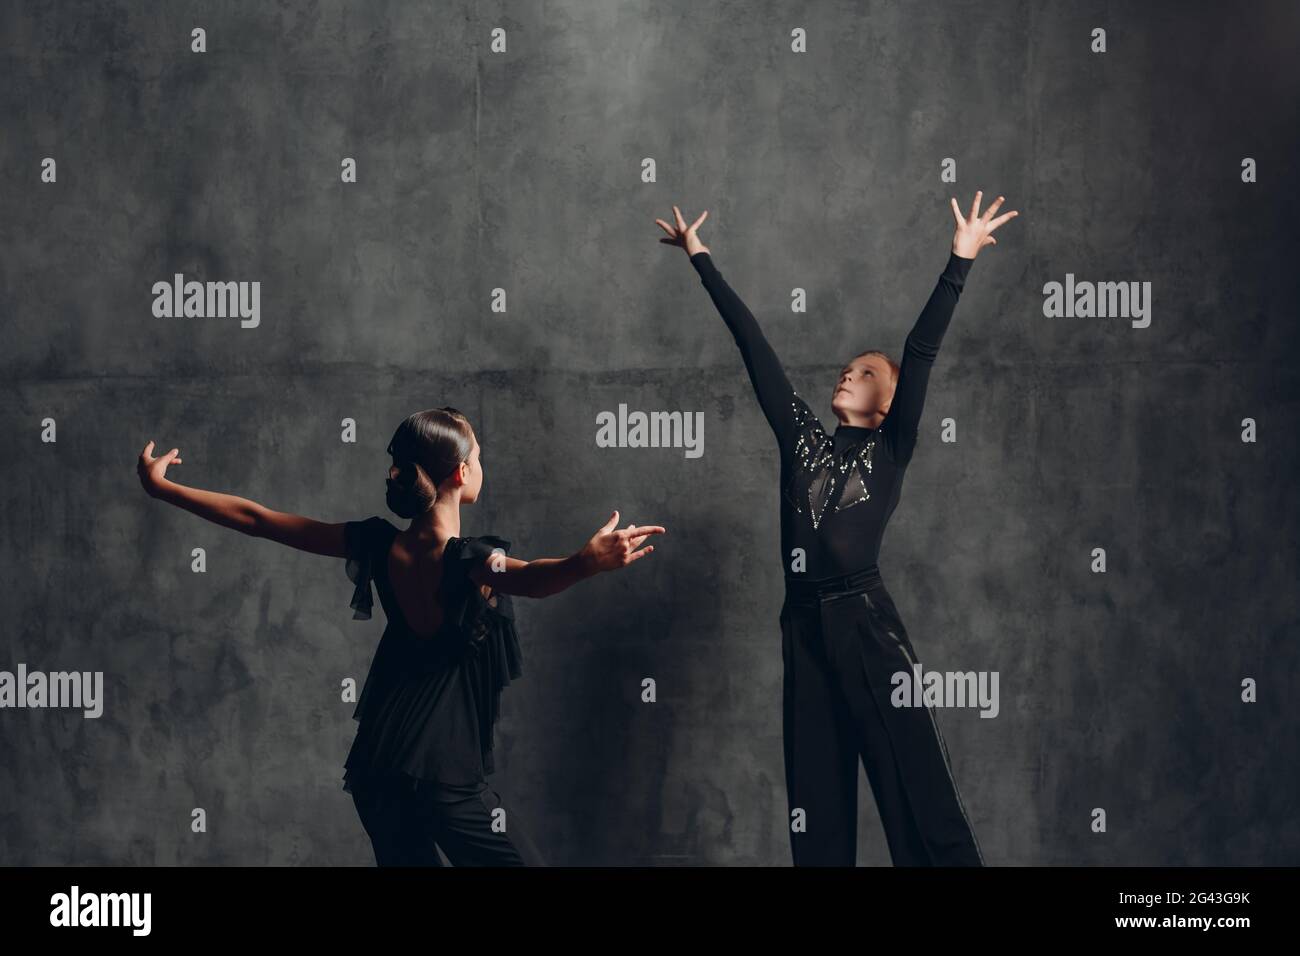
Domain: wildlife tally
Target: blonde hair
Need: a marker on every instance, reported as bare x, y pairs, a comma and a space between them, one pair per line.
893, 366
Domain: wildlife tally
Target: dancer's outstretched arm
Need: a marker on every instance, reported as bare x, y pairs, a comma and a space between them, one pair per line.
766, 374
231, 511
608, 549
922, 347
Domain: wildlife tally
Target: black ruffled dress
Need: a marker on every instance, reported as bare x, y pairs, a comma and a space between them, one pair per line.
430, 705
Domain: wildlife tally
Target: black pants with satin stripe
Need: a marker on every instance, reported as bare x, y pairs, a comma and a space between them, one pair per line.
408, 821
841, 646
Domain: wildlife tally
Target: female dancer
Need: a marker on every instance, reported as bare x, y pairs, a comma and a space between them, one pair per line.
426, 715
842, 637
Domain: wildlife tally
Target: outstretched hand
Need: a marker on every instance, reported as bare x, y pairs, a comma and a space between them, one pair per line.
152, 470
609, 548
972, 234
683, 235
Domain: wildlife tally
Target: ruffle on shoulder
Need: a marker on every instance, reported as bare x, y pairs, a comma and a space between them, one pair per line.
360, 552
491, 650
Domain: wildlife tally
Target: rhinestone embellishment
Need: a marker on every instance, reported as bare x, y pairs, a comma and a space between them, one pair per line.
819, 476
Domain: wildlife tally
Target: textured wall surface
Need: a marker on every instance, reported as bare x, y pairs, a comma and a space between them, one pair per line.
522, 171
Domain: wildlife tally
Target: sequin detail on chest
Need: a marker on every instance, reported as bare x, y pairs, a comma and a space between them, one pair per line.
820, 476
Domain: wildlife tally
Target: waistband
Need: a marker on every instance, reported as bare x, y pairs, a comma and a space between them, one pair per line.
810, 591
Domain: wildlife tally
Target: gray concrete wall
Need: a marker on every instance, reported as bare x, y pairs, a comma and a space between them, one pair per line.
522, 170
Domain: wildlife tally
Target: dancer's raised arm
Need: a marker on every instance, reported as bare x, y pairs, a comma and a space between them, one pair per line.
766, 374
901, 425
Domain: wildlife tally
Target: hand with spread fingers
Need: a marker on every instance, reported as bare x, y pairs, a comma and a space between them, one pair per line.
683, 235
974, 232
610, 548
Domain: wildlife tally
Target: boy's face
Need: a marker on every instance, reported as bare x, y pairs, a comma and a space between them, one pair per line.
865, 387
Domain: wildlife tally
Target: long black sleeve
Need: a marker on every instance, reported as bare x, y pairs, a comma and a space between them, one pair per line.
919, 352
775, 394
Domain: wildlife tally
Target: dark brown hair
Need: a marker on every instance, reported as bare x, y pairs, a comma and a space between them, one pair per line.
430, 443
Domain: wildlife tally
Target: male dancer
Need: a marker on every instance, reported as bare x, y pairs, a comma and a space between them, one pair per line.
842, 636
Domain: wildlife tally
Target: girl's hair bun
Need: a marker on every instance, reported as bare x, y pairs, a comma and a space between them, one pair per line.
431, 443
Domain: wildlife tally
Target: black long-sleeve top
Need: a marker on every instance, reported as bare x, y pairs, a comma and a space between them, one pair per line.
838, 490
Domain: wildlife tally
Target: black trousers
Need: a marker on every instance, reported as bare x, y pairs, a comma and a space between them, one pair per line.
842, 640
409, 820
